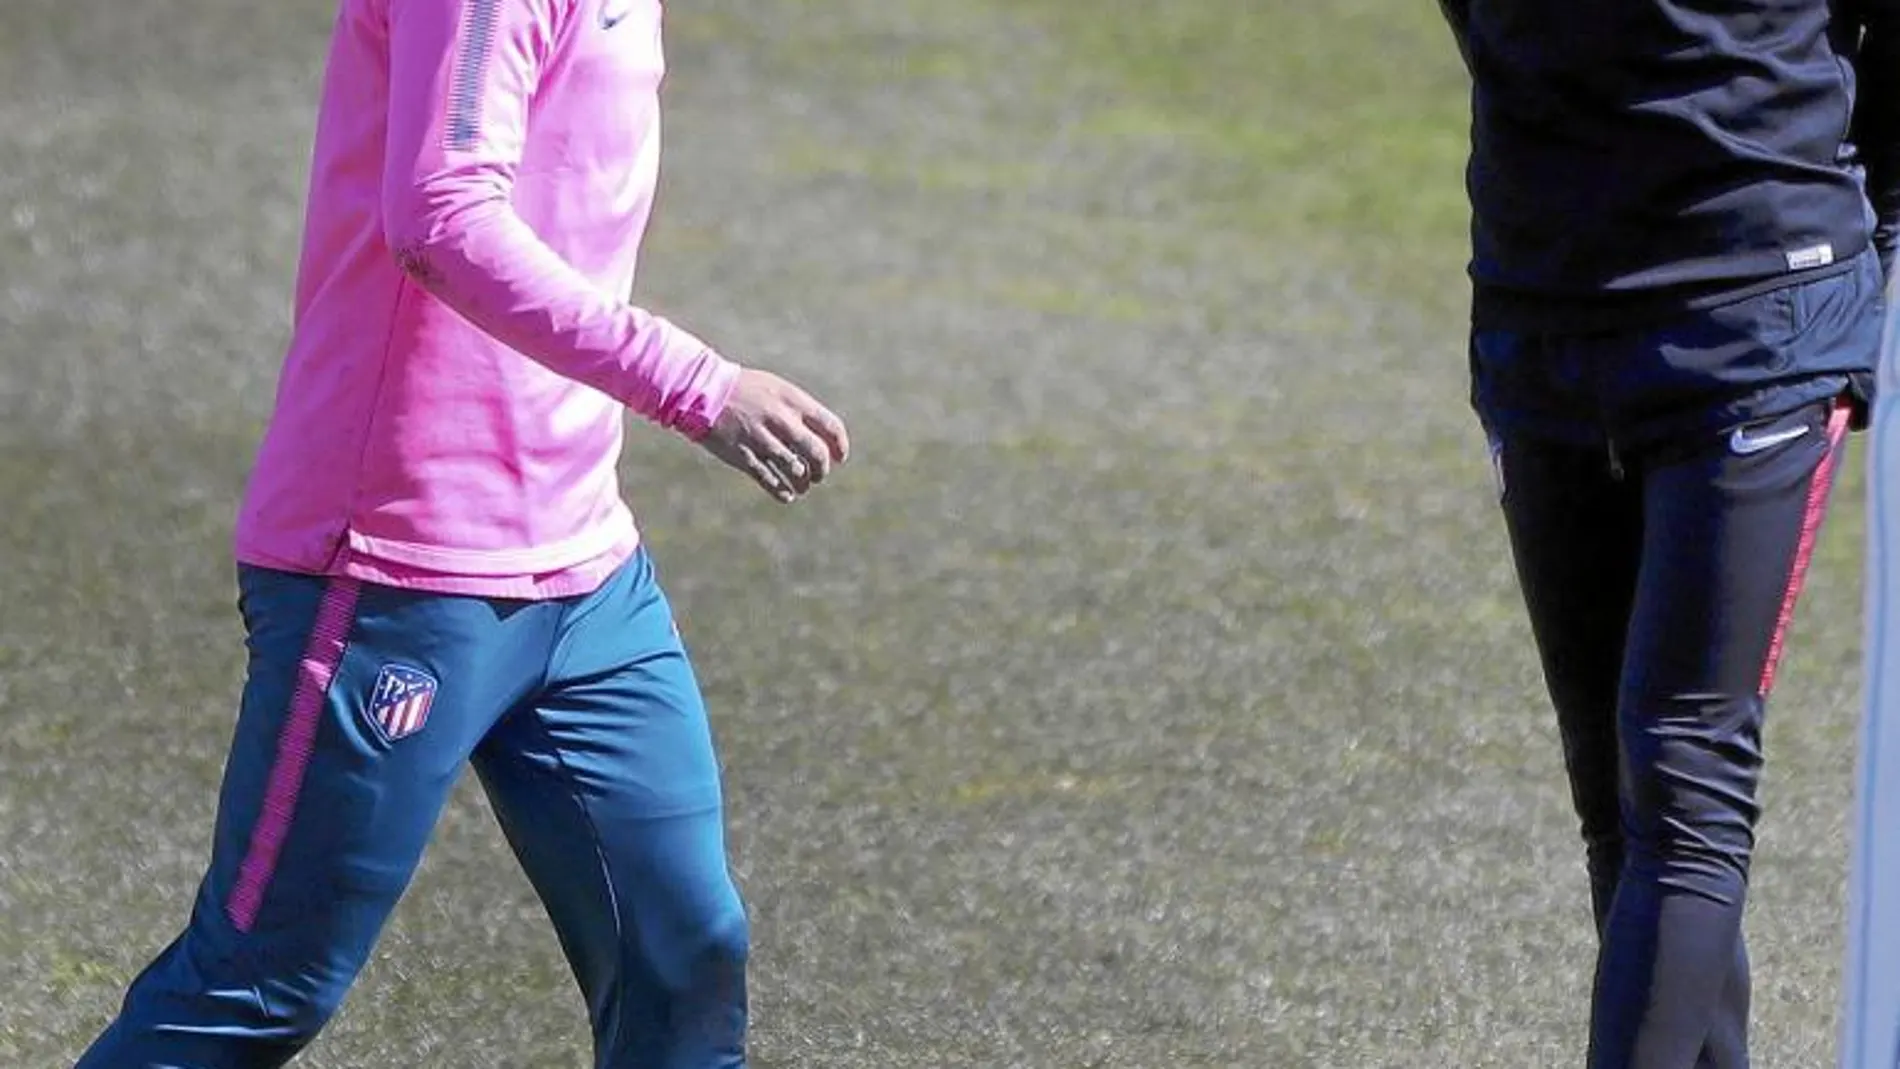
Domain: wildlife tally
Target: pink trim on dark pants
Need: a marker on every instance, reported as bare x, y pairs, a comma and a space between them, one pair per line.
1804, 551
322, 654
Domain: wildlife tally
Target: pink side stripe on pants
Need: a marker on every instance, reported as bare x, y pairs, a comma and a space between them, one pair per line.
1822, 482
322, 654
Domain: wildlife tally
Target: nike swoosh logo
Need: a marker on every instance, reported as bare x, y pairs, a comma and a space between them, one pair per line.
1745, 444
610, 18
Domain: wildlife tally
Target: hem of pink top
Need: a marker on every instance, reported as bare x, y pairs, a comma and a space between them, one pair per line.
574, 580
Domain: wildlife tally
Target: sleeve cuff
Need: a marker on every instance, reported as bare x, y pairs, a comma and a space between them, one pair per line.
705, 396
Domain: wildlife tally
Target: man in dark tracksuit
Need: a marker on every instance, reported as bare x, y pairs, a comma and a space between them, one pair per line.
1680, 213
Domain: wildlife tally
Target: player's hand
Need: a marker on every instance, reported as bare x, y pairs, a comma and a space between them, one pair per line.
778, 434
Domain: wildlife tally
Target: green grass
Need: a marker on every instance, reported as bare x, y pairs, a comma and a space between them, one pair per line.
1332, 134
1151, 691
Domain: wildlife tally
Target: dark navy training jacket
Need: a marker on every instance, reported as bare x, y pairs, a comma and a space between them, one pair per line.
1635, 158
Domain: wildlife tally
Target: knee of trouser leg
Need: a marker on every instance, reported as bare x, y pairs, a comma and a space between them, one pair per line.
713, 956
726, 945
1692, 840
177, 1013
1603, 854
1693, 766
299, 1009
732, 941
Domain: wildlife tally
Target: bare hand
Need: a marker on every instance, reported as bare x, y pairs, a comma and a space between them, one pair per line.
778, 434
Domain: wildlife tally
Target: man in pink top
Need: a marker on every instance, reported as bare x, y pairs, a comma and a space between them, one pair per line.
436, 568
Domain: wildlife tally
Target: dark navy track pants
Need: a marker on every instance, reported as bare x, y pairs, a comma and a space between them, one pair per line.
1660, 545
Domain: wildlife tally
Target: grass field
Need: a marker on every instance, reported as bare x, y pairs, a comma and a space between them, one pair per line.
1152, 690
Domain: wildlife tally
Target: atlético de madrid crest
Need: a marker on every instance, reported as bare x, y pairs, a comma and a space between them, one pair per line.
399, 703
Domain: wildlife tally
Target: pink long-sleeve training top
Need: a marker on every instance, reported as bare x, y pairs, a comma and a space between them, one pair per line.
449, 415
